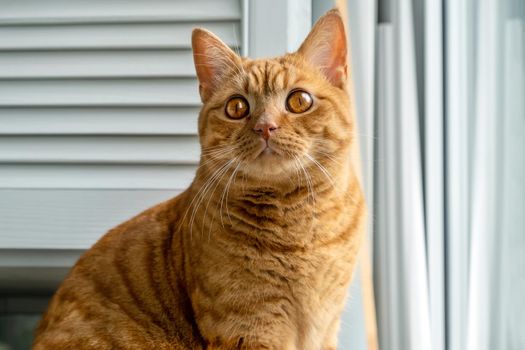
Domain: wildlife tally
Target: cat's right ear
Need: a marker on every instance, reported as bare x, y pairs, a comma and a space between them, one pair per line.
212, 58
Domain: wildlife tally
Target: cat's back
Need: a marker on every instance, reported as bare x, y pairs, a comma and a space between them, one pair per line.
126, 291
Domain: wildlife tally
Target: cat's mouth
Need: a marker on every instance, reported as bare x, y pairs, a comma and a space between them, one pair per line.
270, 160
267, 150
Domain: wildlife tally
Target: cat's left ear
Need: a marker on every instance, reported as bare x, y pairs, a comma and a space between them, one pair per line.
326, 47
212, 58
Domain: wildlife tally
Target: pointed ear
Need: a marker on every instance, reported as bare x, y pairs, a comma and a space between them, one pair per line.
213, 59
326, 48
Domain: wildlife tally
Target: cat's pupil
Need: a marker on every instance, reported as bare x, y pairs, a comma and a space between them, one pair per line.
237, 108
299, 101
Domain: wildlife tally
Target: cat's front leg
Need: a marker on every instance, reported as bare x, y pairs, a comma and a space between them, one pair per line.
241, 335
242, 344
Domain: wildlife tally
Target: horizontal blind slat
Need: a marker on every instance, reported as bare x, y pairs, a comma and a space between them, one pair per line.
30, 11
71, 92
99, 149
92, 176
99, 121
111, 36
97, 63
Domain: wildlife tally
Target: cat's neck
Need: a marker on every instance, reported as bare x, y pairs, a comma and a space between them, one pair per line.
303, 187
290, 215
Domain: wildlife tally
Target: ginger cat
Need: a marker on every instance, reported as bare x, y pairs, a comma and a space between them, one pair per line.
258, 252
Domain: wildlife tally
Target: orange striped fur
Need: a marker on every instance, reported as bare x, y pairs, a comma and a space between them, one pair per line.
258, 252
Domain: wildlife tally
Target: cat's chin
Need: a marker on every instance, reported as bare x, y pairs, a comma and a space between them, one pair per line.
270, 166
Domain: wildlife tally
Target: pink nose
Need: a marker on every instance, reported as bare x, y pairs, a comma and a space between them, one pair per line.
265, 129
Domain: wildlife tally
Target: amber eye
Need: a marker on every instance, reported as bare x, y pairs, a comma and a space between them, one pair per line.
237, 107
299, 101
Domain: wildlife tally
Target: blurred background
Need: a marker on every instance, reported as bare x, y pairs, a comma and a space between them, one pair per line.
98, 109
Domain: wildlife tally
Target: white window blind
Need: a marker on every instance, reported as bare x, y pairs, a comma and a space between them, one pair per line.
98, 112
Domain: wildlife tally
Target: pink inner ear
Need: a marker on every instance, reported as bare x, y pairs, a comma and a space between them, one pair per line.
326, 48
212, 59
334, 67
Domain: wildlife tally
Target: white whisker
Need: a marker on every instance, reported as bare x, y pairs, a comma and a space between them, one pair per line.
226, 192
195, 202
214, 180
323, 170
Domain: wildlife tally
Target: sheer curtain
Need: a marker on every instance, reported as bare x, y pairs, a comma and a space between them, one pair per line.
440, 90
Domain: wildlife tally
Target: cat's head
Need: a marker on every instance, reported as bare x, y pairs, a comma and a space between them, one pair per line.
267, 117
